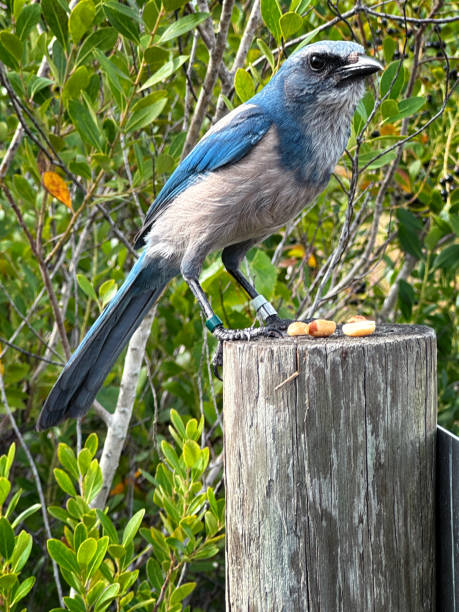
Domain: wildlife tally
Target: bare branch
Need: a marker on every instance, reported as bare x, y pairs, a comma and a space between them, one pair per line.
216, 55
118, 422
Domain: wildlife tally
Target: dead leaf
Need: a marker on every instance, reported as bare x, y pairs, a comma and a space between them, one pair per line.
57, 187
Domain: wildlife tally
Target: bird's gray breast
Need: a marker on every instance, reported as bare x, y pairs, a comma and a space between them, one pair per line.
247, 200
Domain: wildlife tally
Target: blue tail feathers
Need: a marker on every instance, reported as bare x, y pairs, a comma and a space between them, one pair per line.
85, 372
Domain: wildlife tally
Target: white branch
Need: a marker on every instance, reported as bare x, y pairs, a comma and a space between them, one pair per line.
120, 419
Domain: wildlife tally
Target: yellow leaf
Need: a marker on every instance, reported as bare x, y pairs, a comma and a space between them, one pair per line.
297, 250
57, 187
312, 261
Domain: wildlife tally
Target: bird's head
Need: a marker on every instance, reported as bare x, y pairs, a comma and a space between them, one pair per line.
328, 73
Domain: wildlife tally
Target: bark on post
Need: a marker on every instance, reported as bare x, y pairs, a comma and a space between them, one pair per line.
329, 461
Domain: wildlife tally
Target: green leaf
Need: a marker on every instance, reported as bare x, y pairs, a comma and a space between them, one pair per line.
97, 559
243, 84
63, 556
12, 505
171, 455
28, 19
389, 108
192, 429
92, 441
95, 592
154, 574
109, 528
389, 46
385, 159
387, 78
79, 535
212, 501
9, 459
191, 453
116, 551
409, 107
109, 593
173, 5
56, 18
181, 592
59, 513
206, 552
87, 126
271, 14
7, 582
266, 52
23, 589
106, 291
211, 523
177, 422
37, 83
182, 26
406, 298
25, 514
81, 19
264, 272
132, 527
165, 71
103, 39
10, 49
92, 482
7, 539
144, 112
75, 603
448, 258
86, 286
307, 39
67, 459
299, 6
123, 19
77, 81
5, 487
21, 552
289, 24
408, 233
86, 552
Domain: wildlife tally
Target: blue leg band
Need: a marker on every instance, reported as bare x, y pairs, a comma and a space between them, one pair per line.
213, 322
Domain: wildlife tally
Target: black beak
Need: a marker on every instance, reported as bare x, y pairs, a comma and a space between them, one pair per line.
358, 68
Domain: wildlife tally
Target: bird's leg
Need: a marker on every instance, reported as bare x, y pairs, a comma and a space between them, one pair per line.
215, 326
214, 323
231, 258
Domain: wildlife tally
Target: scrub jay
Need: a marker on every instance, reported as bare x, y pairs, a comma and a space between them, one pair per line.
252, 172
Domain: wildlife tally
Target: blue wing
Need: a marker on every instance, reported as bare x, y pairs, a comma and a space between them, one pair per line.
226, 143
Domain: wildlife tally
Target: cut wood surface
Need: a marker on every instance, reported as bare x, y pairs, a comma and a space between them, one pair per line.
330, 463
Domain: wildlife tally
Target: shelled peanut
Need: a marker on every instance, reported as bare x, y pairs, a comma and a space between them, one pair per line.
359, 327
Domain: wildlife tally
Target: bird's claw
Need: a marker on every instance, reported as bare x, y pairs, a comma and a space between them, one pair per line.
217, 360
222, 334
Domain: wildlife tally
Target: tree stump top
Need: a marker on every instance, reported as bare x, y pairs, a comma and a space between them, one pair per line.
384, 333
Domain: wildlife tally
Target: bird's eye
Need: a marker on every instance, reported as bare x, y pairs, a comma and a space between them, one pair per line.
317, 63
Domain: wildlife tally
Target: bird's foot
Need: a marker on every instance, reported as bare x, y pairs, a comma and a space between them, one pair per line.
249, 333
275, 322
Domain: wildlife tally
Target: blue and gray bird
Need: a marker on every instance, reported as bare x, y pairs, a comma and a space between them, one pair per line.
252, 172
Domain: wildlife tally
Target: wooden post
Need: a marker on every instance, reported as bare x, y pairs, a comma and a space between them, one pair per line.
330, 463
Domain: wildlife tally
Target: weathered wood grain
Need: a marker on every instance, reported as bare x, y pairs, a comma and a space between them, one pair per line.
330, 476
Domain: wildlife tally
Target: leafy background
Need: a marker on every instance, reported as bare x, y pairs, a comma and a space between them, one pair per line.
98, 103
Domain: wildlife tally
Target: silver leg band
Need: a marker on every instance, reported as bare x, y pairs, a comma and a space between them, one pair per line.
263, 307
